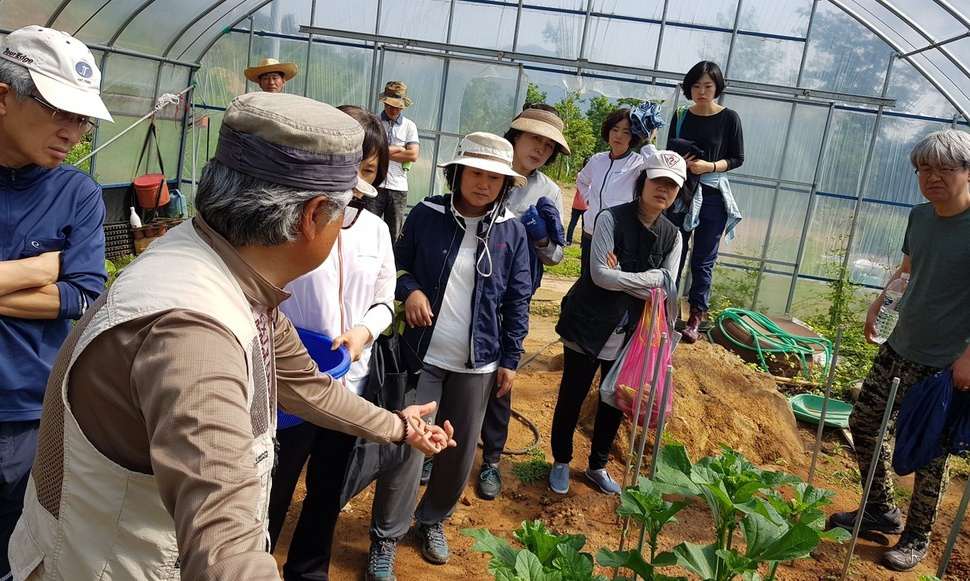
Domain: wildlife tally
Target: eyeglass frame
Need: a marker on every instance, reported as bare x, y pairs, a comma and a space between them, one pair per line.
81, 120
940, 172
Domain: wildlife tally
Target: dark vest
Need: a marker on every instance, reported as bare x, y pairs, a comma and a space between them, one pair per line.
589, 313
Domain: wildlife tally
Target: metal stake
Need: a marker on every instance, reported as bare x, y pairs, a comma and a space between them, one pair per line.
659, 432
654, 388
870, 476
954, 532
825, 403
639, 399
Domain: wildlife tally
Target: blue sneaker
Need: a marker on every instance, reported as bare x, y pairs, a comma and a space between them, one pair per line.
434, 544
559, 478
602, 480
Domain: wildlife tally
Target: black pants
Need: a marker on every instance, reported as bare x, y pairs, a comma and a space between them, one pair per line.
577, 377
18, 446
328, 452
495, 428
585, 246
574, 217
391, 205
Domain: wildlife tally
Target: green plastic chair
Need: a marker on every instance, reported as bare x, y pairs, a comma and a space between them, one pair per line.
808, 407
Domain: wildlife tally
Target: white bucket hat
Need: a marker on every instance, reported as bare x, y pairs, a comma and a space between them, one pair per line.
488, 152
61, 67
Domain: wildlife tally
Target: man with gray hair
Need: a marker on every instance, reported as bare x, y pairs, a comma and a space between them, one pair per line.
157, 441
51, 235
933, 332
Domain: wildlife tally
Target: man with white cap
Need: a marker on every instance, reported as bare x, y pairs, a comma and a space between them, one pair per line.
157, 441
270, 74
51, 235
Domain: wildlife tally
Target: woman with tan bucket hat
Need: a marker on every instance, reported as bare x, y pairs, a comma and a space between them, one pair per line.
403, 143
466, 283
270, 74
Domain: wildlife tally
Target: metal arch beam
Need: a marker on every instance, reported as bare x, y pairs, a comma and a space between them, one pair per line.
208, 28
216, 38
961, 17
899, 50
128, 21
57, 13
190, 24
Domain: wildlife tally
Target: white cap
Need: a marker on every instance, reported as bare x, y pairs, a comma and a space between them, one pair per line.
61, 67
486, 151
666, 164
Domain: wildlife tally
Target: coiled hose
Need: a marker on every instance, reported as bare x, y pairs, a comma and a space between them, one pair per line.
769, 339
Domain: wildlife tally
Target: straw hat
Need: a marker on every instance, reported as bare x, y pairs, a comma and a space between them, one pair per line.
271, 65
395, 94
488, 152
544, 123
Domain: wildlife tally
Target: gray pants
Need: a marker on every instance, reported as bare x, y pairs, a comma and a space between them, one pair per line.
391, 205
462, 399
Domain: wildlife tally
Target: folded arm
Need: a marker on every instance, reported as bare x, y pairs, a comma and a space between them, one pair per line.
637, 284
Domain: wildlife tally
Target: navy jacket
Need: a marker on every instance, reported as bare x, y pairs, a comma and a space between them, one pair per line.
425, 254
42, 210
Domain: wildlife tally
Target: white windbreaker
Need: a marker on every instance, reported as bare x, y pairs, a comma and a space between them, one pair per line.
604, 182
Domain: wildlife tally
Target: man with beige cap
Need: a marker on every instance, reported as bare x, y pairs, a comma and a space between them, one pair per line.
402, 140
51, 234
157, 440
270, 74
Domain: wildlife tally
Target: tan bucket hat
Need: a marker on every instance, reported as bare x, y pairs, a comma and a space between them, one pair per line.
544, 123
486, 151
395, 94
271, 65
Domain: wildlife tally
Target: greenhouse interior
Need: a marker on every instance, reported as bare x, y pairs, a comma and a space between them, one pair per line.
833, 95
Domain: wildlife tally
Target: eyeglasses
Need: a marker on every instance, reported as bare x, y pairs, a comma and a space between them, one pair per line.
352, 212
942, 172
84, 123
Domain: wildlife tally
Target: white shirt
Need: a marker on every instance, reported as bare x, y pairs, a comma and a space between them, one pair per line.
364, 256
401, 132
605, 182
449, 347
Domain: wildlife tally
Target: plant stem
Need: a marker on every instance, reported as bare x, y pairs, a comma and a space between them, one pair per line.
771, 571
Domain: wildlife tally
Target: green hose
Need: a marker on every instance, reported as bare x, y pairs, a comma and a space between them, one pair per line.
770, 339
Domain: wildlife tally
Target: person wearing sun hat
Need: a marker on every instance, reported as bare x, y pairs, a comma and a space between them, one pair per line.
52, 247
270, 74
465, 281
404, 146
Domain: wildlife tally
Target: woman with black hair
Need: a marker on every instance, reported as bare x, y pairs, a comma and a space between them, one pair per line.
634, 249
709, 211
465, 282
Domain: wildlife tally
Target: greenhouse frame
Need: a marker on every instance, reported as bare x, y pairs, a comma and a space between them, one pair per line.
832, 93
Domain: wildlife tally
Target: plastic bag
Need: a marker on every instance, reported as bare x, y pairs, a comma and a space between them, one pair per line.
629, 376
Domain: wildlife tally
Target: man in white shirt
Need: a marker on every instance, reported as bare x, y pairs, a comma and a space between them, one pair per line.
402, 140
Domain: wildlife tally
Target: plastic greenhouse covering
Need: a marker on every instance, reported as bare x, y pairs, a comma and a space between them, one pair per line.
832, 93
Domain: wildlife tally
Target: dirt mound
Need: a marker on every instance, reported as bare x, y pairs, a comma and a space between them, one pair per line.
719, 400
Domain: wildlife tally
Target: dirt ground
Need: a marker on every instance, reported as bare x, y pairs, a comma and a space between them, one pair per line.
718, 400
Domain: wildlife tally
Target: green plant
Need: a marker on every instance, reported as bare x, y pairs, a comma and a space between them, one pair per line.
545, 556
570, 265
80, 150
114, 268
534, 469
745, 498
732, 289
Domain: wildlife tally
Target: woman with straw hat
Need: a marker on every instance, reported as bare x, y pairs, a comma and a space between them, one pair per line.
270, 74
466, 283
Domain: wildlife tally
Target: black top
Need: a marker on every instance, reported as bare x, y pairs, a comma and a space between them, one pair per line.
719, 135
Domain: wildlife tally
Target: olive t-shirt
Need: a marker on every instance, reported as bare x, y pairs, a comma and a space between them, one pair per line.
934, 313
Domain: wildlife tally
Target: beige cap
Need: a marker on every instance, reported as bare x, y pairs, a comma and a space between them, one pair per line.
271, 65
544, 123
61, 67
395, 94
486, 151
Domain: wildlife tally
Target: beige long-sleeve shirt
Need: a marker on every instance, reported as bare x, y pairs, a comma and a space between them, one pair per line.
165, 395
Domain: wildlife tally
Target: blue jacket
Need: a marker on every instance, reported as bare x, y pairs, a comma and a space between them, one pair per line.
43, 210
425, 254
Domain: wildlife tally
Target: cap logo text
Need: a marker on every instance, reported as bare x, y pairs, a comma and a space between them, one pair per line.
17, 56
669, 159
83, 69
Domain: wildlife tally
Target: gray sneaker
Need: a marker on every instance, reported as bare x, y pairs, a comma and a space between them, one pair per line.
559, 478
434, 545
489, 482
908, 552
602, 480
380, 560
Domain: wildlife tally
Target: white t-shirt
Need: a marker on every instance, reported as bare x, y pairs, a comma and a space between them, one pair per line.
449, 347
605, 182
400, 132
365, 256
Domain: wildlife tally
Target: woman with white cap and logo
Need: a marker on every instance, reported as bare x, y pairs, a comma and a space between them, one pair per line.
465, 280
634, 249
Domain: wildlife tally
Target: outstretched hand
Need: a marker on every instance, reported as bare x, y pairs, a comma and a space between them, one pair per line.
424, 437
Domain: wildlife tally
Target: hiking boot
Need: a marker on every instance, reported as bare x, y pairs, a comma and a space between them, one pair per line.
434, 545
692, 330
489, 481
426, 470
380, 560
890, 523
559, 478
602, 480
908, 552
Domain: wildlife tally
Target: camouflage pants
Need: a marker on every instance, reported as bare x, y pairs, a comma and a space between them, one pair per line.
864, 423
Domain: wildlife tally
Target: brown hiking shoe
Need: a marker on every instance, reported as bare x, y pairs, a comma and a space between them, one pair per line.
692, 331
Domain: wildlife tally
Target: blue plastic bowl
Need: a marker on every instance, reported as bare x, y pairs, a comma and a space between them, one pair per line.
335, 363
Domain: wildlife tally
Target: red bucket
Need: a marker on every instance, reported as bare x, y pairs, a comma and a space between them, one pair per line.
146, 189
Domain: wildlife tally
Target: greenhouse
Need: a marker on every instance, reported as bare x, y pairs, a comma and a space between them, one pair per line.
832, 95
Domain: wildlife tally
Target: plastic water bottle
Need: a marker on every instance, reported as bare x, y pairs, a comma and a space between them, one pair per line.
133, 218
889, 311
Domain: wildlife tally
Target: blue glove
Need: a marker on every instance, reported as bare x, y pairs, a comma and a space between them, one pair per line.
550, 215
535, 226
